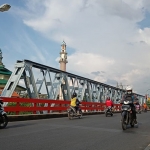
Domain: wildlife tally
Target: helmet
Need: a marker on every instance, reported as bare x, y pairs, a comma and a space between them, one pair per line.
129, 88
108, 97
74, 95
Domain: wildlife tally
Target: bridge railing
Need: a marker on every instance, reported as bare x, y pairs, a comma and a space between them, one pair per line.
20, 105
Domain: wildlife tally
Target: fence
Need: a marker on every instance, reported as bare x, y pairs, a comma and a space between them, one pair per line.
34, 105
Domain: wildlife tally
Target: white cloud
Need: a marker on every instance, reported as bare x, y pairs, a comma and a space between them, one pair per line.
130, 76
104, 34
88, 62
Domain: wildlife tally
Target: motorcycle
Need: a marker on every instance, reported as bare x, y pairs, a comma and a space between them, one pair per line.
72, 113
145, 110
108, 111
3, 116
138, 110
127, 116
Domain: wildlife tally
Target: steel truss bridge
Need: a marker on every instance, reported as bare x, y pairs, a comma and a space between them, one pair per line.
38, 78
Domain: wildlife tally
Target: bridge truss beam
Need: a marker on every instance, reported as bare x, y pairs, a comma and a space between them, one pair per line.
53, 80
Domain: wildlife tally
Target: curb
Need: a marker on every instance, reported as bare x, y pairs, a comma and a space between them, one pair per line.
13, 118
148, 147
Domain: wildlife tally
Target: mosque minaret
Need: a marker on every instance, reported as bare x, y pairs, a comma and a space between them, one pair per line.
63, 57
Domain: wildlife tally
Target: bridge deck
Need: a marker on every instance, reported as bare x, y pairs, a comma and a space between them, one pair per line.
89, 133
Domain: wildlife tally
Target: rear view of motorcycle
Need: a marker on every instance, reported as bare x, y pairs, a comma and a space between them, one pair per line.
3, 116
138, 109
108, 111
72, 113
145, 110
127, 116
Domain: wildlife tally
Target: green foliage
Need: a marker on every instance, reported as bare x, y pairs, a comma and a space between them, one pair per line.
12, 104
148, 103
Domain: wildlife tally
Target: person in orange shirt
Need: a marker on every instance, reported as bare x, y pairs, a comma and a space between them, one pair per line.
145, 107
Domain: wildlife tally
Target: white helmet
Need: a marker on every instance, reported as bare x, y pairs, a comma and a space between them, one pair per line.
129, 88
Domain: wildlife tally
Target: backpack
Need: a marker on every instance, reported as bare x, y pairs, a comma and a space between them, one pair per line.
129, 97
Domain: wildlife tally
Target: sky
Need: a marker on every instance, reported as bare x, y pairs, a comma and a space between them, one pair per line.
107, 41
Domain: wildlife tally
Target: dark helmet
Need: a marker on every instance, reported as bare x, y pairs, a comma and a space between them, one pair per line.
74, 95
108, 97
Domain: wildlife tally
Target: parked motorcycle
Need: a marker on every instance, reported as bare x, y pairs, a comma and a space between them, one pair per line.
138, 110
3, 116
127, 116
72, 113
108, 111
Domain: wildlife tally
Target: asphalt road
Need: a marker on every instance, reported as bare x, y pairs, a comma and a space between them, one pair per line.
95, 132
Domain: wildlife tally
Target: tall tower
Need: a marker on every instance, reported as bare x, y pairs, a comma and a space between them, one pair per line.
63, 57
62, 61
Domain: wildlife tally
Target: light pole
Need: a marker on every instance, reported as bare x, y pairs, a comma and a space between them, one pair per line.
147, 93
4, 7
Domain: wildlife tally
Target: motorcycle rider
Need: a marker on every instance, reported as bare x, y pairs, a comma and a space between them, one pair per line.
78, 106
137, 104
145, 106
75, 103
109, 102
130, 97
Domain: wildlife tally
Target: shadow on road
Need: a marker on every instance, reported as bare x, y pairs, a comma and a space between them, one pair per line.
18, 125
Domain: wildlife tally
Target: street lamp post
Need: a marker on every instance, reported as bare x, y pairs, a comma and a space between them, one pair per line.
147, 93
4, 7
